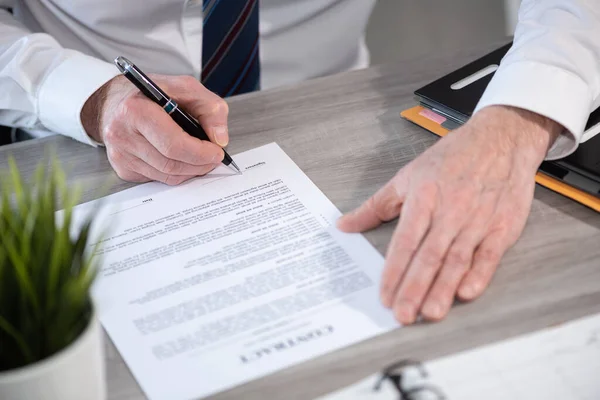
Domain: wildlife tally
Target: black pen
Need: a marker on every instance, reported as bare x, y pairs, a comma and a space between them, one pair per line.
156, 94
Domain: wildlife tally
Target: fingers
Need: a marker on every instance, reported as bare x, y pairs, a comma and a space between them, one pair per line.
208, 108
509, 219
383, 206
133, 169
458, 260
485, 261
131, 176
172, 141
144, 142
138, 115
142, 149
426, 263
407, 237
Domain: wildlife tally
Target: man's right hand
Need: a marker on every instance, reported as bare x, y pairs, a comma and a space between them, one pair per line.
143, 143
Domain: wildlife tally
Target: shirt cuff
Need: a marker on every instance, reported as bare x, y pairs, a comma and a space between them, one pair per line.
65, 90
549, 91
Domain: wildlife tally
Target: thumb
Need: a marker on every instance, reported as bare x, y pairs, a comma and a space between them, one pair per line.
210, 110
383, 206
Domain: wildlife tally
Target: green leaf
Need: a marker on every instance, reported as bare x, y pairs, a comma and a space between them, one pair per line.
46, 272
17, 185
24, 280
12, 332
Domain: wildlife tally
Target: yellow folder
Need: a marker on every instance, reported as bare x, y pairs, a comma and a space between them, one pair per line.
414, 115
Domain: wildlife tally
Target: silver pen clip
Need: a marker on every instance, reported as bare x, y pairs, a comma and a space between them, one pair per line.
127, 67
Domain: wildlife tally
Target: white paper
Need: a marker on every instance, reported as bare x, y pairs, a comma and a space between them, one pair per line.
229, 277
557, 363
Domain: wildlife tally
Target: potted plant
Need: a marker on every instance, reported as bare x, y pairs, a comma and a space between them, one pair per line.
50, 339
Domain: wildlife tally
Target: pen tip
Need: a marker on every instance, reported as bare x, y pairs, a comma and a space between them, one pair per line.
235, 167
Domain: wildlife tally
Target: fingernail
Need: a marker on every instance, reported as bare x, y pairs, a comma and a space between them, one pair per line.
385, 301
467, 292
385, 297
433, 310
221, 135
341, 222
470, 290
405, 312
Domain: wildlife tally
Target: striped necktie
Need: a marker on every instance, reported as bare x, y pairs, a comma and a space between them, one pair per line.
230, 46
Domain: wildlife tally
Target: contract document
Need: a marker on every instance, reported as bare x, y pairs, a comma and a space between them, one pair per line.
230, 277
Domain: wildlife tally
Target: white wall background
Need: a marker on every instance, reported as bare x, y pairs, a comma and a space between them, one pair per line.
511, 11
401, 29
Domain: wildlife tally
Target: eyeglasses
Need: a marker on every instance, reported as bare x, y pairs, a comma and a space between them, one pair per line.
399, 373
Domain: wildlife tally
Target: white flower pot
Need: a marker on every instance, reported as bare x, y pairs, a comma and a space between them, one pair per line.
75, 373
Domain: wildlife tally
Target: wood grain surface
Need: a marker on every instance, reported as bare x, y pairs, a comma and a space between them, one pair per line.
346, 134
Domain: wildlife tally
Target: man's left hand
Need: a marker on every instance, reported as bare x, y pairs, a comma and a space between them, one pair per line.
461, 205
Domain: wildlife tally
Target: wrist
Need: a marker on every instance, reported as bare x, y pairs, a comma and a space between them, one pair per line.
520, 131
92, 113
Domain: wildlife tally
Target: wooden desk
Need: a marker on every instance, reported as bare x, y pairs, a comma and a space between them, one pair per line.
345, 132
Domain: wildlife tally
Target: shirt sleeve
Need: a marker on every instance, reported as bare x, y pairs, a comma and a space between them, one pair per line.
44, 86
553, 67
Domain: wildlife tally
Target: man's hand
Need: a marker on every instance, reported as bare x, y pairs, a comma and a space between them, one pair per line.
462, 204
143, 143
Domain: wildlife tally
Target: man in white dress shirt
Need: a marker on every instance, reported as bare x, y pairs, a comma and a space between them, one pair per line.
461, 204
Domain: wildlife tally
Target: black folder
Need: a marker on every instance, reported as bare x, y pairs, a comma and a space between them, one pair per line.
580, 169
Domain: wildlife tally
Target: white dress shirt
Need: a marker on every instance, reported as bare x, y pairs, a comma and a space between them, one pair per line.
553, 67
55, 53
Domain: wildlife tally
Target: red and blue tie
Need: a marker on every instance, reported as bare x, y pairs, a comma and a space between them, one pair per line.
230, 46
